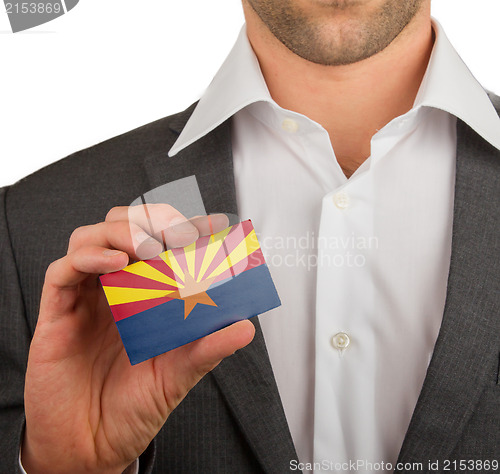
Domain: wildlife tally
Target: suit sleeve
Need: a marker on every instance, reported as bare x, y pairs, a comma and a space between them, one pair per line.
15, 338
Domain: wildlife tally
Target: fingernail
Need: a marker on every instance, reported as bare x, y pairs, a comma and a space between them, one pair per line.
111, 253
182, 226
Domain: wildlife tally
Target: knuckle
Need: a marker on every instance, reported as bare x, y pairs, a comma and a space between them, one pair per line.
111, 215
52, 270
161, 209
118, 227
167, 207
77, 235
81, 236
131, 228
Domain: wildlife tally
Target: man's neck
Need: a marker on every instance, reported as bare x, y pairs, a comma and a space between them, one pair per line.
351, 102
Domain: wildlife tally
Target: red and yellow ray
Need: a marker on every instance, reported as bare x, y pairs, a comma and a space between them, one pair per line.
186, 273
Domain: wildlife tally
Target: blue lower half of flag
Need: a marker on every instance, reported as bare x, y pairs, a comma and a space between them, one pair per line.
163, 328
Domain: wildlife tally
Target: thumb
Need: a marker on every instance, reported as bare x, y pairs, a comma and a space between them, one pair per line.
182, 368
210, 350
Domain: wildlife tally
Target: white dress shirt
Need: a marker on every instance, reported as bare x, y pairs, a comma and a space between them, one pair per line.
360, 264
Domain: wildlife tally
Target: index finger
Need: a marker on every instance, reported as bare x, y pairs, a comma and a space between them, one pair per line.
156, 219
167, 224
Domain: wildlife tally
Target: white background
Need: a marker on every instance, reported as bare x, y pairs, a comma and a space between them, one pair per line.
109, 66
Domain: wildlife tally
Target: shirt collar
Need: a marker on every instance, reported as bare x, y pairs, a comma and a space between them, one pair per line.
238, 83
450, 86
447, 85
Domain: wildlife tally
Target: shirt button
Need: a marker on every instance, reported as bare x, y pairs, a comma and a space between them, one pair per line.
340, 341
341, 200
290, 125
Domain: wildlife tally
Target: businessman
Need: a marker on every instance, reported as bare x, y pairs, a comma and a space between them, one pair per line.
351, 125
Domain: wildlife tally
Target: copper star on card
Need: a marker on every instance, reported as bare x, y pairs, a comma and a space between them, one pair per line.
194, 292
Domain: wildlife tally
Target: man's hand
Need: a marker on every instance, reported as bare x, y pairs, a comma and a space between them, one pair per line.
87, 408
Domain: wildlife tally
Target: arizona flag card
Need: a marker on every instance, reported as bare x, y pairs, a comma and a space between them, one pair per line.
187, 293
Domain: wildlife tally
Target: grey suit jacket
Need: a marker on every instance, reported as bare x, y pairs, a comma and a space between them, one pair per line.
233, 420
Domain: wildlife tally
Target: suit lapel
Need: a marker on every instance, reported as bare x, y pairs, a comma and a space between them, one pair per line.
466, 347
209, 158
246, 379
248, 385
